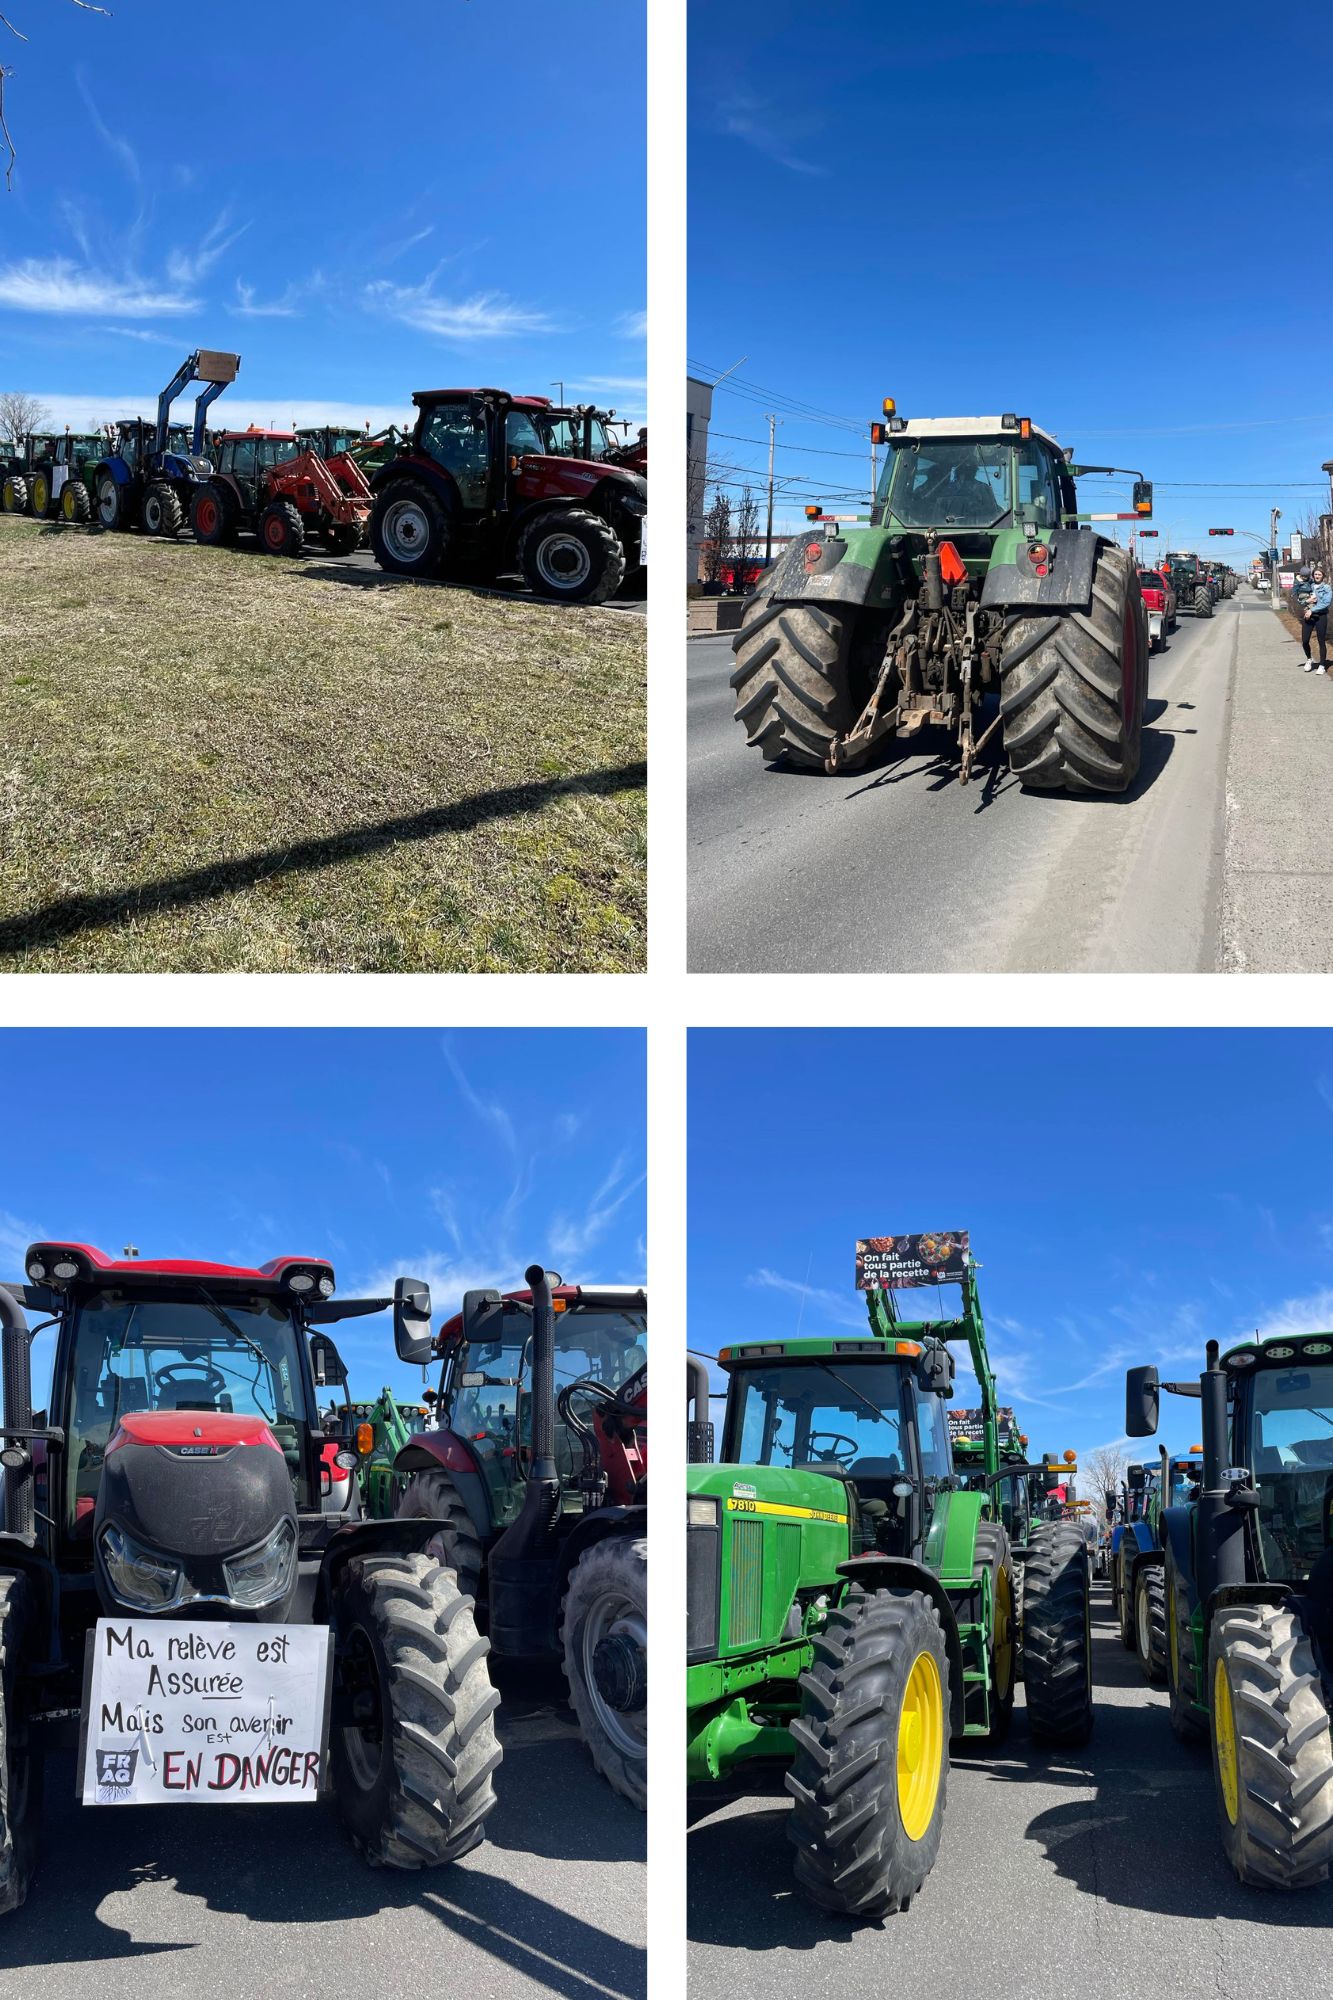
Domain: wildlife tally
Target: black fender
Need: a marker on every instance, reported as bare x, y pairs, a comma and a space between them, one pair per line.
363, 1538
467, 1477
1067, 586
1177, 1540
879, 1572
424, 472
814, 568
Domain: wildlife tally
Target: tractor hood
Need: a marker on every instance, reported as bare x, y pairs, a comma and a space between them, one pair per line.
550, 475
195, 1513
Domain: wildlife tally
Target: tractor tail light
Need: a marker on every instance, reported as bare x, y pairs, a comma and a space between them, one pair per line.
879, 434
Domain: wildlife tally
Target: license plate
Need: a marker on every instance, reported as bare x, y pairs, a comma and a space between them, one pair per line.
176, 1713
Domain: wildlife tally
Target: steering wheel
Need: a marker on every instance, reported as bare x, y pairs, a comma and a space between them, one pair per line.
199, 1375
830, 1449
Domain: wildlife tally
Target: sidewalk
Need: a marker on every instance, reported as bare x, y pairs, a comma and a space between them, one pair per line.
1277, 891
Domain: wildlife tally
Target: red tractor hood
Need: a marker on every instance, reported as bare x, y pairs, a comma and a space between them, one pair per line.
542, 477
207, 1431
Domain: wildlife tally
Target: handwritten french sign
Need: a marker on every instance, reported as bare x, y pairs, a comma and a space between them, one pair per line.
204, 1713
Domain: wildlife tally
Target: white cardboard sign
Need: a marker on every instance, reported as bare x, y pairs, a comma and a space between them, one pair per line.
181, 1713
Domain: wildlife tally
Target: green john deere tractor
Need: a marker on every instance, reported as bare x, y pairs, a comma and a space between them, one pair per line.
850, 1602
974, 598
1247, 1570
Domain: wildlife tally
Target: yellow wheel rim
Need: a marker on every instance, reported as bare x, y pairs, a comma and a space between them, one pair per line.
41, 495
920, 1746
1224, 1735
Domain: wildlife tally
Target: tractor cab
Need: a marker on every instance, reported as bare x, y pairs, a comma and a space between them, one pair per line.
1282, 1427
974, 473
245, 456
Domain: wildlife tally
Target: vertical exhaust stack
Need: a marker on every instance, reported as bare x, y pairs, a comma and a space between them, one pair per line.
698, 1429
538, 1282
1221, 1529
20, 1507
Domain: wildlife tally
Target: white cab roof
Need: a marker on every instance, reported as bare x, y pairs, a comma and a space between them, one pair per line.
964, 427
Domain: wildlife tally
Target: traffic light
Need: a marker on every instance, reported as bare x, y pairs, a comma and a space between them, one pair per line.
1148, 534
1221, 531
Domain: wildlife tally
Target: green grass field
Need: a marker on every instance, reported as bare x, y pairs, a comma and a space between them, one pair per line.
214, 761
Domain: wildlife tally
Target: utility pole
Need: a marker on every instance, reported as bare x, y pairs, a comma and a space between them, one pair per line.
768, 538
561, 387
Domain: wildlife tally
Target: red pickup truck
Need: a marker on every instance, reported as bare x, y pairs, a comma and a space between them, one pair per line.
1160, 598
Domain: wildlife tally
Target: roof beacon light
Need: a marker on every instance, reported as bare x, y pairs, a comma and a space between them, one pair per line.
889, 407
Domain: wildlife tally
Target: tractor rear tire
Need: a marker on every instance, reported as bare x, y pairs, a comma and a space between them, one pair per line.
1272, 1748
162, 512
1203, 604
1150, 1622
76, 503
409, 529
1073, 686
1057, 1635
569, 555
1123, 1587
20, 1764
14, 494
432, 1496
281, 529
113, 510
1182, 1674
991, 1551
213, 516
1020, 1575
413, 1739
604, 1648
40, 495
792, 681
871, 1767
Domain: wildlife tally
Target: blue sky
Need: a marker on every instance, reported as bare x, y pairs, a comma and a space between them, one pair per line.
1129, 1195
458, 1158
360, 201
1066, 210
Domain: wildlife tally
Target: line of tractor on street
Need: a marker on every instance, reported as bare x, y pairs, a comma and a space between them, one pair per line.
975, 598
485, 484
222, 1578
870, 1573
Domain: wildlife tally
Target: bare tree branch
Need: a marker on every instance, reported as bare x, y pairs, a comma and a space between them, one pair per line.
87, 7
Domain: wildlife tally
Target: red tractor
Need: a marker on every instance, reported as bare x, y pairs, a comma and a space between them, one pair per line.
533, 1488
189, 1588
264, 481
477, 489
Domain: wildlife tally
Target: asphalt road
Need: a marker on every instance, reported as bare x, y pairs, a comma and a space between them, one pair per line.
1096, 1874
898, 868
249, 1900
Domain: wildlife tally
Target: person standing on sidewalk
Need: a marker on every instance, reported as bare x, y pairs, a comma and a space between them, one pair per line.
1314, 621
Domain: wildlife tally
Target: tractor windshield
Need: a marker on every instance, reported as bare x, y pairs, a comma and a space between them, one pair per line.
850, 1414
1291, 1458
493, 1377
174, 1354
949, 482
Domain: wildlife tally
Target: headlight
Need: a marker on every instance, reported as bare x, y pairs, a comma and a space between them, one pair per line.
139, 1575
263, 1573
702, 1512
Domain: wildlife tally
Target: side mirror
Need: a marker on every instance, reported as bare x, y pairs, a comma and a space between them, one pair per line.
480, 1311
937, 1366
330, 1369
1137, 1478
411, 1321
1141, 1401
1143, 496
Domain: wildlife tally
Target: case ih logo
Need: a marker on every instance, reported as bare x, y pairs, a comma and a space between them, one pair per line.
199, 1450
115, 1769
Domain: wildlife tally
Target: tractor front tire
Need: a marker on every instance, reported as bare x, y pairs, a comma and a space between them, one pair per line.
1073, 685
409, 530
1150, 1622
1020, 1575
872, 1754
792, 680
343, 540
1182, 1674
413, 1737
41, 495
20, 1764
991, 1552
1123, 1591
1057, 1635
604, 1650
281, 529
76, 503
213, 516
1272, 1748
162, 512
570, 555
14, 494
432, 1496
113, 509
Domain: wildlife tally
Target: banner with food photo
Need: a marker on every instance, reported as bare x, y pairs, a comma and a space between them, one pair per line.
884, 1263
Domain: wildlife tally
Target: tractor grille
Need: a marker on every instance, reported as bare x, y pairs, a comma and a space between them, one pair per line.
747, 1581
702, 1575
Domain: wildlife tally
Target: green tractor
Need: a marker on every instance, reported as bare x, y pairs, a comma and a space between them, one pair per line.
60, 487
1247, 1571
851, 1603
16, 457
383, 1429
1189, 576
974, 598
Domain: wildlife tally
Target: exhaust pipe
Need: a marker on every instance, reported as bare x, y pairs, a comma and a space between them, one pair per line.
20, 1506
538, 1281
698, 1428
1220, 1529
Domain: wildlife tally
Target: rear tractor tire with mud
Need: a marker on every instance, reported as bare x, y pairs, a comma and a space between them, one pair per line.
1150, 1622
1057, 1635
604, 1647
431, 1495
792, 680
1073, 685
1272, 1747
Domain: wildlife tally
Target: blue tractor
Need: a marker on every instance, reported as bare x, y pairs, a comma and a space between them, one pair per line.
1137, 1576
153, 469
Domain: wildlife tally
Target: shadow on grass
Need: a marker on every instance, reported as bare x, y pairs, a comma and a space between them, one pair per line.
73, 915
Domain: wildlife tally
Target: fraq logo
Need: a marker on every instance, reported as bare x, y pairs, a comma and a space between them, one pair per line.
115, 1768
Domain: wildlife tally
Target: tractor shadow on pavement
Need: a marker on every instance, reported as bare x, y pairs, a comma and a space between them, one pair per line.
202, 1881
1139, 1831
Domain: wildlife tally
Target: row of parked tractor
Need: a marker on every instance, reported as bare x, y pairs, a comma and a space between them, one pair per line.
869, 1574
485, 484
221, 1576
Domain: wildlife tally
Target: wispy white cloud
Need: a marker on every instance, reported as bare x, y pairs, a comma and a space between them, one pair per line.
288, 306
116, 141
574, 1236
761, 125
485, 316
1312, 1313
15, 1236
140, 333
631, 325
58, 285
187, 267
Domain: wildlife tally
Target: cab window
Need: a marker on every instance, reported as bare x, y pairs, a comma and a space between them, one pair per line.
456, 439
1038, 495
521, 434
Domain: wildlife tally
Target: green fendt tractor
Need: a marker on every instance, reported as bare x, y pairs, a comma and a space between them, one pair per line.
1248, 1580
974, 582
850, 1602
1194, 592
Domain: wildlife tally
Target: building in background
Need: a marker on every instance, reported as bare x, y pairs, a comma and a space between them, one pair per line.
698, 414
